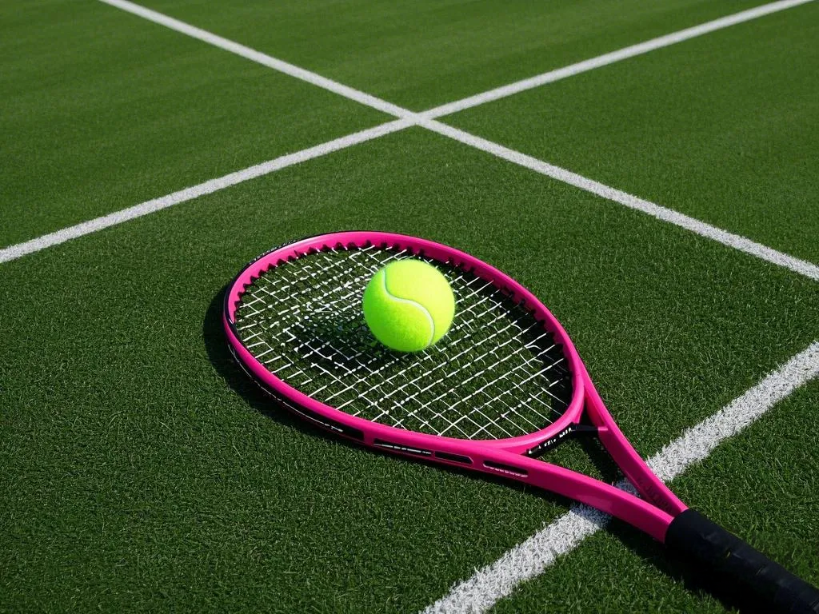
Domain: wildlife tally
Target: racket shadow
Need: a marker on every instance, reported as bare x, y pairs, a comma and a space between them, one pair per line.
682, 572
643, 546
223, 361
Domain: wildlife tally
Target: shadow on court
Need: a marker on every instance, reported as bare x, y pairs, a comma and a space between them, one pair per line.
639, 543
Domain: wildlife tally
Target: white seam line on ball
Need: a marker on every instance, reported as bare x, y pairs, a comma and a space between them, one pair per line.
423, 309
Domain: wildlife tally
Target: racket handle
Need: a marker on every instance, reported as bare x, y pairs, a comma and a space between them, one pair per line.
768, 585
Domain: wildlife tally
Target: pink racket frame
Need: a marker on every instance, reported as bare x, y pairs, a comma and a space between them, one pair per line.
506, 457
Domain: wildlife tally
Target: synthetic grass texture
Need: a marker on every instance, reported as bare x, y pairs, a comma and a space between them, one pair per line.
423, 54
762, 485
103, 110
143, 470
722, 128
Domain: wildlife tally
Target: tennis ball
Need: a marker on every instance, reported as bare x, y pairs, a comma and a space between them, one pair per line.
408, 305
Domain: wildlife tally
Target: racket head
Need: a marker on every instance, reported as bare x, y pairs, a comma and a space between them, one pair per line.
263, 290
660, 515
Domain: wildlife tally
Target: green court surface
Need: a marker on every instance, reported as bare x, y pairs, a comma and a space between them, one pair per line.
722, 128
142, 470
103, 110
423, 54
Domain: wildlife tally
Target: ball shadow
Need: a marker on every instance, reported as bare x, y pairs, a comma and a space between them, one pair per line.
223, 361
643, 546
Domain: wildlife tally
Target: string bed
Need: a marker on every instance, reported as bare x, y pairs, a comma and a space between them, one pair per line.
496, 374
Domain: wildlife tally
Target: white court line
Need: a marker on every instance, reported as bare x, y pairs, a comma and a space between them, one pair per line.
610, 58
259, 57
409, 118
532, 557
738, 242
208, 187
535, 554
529, 559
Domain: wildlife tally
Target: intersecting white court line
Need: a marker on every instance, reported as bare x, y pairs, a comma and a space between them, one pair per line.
259, 57
408, 118
529, 559
610, 58
532, 557
694, 225
208, 187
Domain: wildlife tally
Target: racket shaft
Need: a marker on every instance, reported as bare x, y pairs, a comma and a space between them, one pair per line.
769, 586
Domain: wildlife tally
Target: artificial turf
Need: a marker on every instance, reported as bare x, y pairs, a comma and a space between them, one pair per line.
421, 54
762, 486
102, 110
141, 470
722, 128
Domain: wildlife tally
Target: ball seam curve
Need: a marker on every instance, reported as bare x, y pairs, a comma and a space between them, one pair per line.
423, 309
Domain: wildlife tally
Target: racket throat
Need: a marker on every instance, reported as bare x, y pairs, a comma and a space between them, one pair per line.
570, 432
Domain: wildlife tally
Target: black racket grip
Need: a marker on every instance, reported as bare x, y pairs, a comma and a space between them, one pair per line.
768, 585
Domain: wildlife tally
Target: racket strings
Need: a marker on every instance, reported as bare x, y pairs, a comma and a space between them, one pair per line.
496, 374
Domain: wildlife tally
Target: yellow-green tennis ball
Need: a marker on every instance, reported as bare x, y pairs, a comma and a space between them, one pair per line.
408, 305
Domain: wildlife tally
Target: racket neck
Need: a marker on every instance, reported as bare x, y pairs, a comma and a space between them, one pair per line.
636, 470
582, 488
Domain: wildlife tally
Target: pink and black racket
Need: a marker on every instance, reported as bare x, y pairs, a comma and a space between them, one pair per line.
502, 387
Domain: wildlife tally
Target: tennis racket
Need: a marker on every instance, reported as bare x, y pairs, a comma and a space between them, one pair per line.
501, 388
